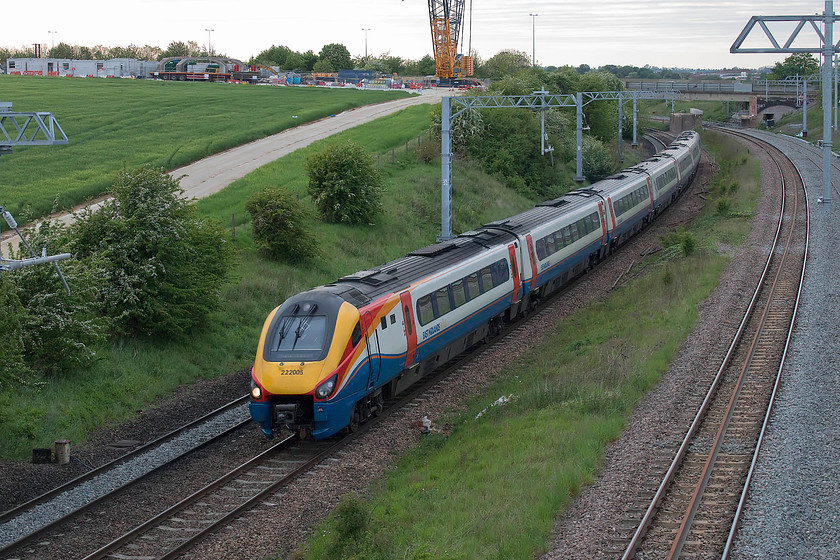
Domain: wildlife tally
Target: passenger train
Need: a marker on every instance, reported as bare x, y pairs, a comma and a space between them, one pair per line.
329, 356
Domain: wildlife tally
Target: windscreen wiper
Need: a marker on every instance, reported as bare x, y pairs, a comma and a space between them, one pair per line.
304, 324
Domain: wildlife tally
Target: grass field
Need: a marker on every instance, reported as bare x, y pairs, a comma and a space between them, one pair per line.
121, 124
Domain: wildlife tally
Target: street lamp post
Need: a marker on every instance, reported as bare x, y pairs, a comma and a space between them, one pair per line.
52, 33
209, 48
533, 39
366, 51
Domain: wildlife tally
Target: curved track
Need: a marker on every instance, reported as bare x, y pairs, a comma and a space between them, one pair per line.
694, 512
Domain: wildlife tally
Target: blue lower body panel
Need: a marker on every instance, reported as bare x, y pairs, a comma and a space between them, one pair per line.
263, 414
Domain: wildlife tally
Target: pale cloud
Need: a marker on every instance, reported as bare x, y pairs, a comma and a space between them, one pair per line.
636, 32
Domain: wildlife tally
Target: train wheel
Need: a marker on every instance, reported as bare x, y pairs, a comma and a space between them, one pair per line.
378, 405
353, 426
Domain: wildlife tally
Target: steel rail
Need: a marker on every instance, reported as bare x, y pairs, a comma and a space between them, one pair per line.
653, 507
694, 502
99, 471
739, 510
142, 528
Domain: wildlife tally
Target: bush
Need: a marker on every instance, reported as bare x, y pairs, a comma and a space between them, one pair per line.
597, 161
279, 223
685, 240
163, 265
344, 184
61, 332
13, 369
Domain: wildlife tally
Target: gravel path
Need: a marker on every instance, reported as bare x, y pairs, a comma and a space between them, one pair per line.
793, 509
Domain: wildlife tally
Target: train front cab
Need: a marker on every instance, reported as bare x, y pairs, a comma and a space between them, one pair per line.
306, 352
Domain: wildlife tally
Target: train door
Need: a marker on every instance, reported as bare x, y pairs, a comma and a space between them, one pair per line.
372, 342
514, 272
532, 256
409, 327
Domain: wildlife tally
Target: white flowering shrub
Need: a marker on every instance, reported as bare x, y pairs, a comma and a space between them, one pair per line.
164, 266
59, 332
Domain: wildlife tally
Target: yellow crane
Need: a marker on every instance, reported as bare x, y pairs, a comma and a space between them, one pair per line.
446, 18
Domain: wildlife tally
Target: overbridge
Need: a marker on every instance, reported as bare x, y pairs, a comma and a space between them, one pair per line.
766, 92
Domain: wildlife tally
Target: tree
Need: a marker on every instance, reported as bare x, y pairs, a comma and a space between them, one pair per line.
504, 63
601, 116
344, 184
597, 162
797, 64
426, 66
323, 66
279, 223
176, 49
164, 265
62, 50
282, 57
337, 55
308, 60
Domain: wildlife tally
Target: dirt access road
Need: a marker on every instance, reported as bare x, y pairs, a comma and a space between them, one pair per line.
213, 173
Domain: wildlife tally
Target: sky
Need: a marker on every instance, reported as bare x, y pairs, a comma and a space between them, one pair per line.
672, 34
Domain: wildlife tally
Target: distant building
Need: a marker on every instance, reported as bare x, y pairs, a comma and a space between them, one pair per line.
70, 67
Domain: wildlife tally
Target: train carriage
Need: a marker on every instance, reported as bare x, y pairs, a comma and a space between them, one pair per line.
327, 357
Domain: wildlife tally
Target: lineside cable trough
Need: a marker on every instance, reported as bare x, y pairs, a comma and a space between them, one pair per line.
29, 129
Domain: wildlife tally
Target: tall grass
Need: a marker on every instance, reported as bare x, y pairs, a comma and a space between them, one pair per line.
492, 487
122, 124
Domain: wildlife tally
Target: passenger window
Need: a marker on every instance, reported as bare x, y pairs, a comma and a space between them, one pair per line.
442, 301
384, 322
459, 298
425, 313
541, 249
356, 336
486, 279
501, 272
472, 286
550, 248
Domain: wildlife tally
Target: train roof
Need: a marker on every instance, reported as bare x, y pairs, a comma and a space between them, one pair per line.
360, 288
365, 286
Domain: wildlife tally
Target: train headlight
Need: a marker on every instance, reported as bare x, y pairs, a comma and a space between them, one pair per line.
256, 391
326, 388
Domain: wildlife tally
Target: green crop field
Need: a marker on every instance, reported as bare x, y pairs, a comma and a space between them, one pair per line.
121, 124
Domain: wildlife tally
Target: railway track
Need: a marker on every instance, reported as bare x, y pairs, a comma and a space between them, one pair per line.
695, 509
183, 525
249, 486
30, 521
